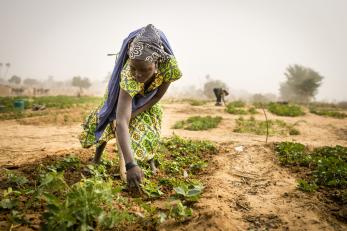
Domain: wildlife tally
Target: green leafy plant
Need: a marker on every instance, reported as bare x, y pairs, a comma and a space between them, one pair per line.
180, 212
305, 186
151, 189
53, 181
15, 179
189, 192
10, 199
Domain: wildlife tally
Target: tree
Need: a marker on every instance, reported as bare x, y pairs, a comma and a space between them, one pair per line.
210, 84
15, 79
30, 82
77, 81
301, 85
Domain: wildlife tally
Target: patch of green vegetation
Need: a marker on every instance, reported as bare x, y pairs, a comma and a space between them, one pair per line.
198, 123
259, 127
86, 204
60, 102
293, 154
184, 154
252, 111
235, 110
69, 162
327, 166
294, 132
195, 102
328, 113
237, 103
73, 195
285, 109
260, 105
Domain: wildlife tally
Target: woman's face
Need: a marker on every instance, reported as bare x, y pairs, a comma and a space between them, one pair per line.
142, 70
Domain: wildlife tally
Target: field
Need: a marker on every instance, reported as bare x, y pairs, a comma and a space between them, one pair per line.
223, 176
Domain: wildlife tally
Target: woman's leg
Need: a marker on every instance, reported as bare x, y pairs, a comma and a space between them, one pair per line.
98, 152
152, 165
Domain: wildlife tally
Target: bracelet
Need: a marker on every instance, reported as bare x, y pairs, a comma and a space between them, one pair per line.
130, 165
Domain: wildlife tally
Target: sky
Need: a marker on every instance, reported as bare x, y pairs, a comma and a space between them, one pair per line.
246, 43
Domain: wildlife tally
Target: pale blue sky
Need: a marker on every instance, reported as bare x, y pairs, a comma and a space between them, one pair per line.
246, 43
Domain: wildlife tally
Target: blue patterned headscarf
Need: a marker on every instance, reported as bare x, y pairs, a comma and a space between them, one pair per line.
147, 46
108, 111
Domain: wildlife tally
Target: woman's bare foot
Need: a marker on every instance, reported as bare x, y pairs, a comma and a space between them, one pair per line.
152, 165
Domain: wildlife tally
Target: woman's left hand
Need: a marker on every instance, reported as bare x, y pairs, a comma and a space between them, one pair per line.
135, 177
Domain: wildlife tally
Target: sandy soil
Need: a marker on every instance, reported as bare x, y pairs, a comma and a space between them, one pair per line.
247, 190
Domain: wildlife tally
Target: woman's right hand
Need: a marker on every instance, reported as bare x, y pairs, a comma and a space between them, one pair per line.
135, 177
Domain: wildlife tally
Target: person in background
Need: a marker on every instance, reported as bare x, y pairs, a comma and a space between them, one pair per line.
220, 93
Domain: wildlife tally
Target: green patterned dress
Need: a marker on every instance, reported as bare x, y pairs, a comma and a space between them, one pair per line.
144, 129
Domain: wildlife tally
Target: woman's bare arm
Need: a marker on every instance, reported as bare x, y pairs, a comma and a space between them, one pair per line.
155, 99
123, 114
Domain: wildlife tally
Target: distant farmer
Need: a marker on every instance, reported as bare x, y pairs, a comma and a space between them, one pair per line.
220, 93
130, 110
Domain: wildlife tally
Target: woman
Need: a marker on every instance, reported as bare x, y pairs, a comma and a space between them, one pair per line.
130, 110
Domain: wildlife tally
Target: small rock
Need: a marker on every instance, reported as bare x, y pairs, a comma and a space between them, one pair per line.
239, 148
185, 174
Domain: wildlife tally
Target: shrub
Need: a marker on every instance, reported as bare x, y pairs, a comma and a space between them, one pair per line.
328, 113
285, 109
234, 110
259, 127
197, 123
237, 103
